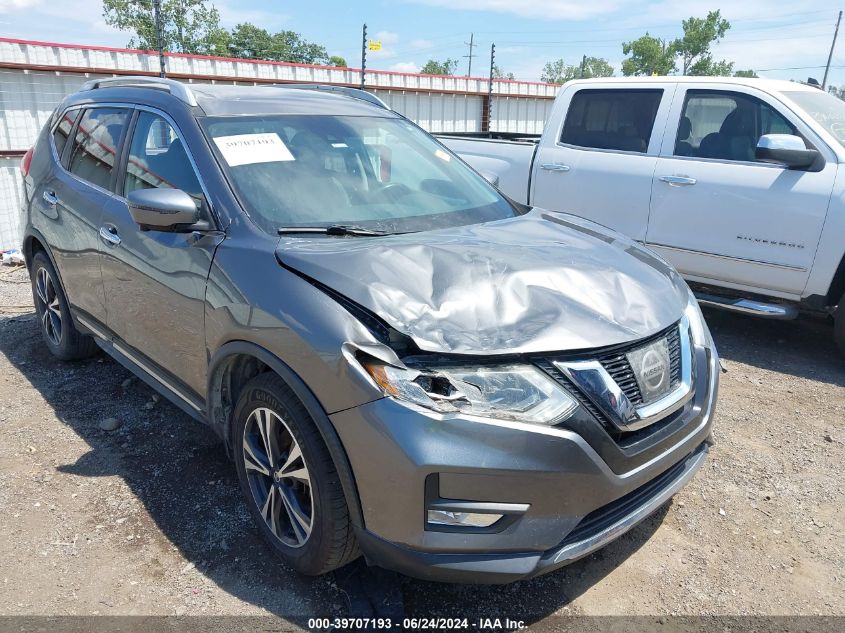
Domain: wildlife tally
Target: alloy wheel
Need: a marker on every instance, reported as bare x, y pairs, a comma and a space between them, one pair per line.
278, 477
49, 308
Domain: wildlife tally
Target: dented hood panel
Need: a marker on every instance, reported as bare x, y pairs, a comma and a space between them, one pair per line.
540, 282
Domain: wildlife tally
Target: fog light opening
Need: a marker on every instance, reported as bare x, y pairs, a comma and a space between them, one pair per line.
462, 519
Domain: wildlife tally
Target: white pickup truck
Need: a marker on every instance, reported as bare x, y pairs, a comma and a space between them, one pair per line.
739, 183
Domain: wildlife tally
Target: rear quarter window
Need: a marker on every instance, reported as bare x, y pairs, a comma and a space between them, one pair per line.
62, 131
619, 120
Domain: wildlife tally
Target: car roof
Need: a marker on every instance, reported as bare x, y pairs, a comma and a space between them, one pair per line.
227, 100
769, 85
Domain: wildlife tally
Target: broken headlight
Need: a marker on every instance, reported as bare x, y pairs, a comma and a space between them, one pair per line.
517, 392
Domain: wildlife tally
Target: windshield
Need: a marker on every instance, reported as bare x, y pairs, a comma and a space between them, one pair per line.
372, 172
827, 110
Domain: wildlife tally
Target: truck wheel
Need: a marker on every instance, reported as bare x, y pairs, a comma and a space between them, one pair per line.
839, 325
289, 480
63, 340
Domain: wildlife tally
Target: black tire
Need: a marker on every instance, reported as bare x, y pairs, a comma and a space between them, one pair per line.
58, 330
330, 543
839, 325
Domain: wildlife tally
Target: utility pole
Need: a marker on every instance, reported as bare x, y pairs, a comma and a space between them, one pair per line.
470, 56
159, 38
830, 55
363, 55
583, 66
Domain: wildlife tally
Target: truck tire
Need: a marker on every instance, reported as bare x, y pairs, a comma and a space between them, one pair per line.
839, 325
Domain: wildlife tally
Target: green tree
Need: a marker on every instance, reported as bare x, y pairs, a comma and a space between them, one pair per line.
498, 73
694, 47
188, 26
337, 60
746, 73
434, 67
648, 56
594, 67
558, 72
248, 41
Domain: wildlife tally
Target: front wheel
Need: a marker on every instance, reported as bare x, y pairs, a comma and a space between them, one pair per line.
289, 479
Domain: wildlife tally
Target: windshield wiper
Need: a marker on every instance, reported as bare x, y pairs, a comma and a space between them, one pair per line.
332, 229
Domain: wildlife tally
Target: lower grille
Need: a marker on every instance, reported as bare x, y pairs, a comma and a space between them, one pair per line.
614, 511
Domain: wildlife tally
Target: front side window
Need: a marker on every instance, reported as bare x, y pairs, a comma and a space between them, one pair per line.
158, 159
611, 119
726, 125
382, 173
92, 156
62, 131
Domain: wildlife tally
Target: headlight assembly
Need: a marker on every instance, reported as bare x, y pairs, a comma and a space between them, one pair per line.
516, 392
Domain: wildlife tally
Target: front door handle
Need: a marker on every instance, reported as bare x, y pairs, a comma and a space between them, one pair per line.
555, 167
109, 235
678, 181
50, 198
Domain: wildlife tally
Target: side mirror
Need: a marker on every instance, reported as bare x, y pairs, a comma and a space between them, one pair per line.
785, 149
490, 177
162, 209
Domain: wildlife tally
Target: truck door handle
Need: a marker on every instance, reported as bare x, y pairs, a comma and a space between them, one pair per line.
109, 235
555, 167
50, 198
678, 181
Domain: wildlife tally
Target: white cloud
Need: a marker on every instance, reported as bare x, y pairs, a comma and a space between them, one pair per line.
405, 67
7, 6
542, 9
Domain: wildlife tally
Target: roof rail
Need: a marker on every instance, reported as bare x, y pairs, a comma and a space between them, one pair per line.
355, 93
176, 88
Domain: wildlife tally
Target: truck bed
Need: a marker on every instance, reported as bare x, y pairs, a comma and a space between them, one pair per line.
510, 159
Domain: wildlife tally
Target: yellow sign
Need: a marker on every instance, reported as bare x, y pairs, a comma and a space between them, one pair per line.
374, 45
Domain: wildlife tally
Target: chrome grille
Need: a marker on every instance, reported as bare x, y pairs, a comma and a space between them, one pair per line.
616, 364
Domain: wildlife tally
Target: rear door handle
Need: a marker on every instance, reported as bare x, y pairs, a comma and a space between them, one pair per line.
50, 198
678, 181
109, 235
555, 167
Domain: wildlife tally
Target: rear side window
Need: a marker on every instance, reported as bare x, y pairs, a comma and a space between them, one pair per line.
611, 119
92, 155
158, 159
62, 131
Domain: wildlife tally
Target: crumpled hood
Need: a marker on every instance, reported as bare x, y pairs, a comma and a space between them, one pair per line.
540, 282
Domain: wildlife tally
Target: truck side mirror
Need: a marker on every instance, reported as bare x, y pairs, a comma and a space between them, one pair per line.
785, 149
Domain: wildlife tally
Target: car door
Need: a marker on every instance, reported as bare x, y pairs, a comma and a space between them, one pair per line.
599, 161
722, 217
154, 281
73, 198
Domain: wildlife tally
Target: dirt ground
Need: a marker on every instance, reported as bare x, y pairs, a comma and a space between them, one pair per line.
148, 519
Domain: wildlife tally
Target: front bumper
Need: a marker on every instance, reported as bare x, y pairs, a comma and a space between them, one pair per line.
576, 501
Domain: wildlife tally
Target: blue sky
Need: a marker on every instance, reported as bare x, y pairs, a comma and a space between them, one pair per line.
765, 34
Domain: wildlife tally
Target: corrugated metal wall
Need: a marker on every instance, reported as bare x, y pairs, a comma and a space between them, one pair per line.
35, 76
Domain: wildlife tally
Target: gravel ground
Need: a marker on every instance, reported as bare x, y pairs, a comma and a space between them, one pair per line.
147, 519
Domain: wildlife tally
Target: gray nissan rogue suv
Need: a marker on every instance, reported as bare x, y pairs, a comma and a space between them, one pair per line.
401, 361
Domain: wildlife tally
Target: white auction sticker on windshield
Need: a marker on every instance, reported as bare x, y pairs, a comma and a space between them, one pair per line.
247, 149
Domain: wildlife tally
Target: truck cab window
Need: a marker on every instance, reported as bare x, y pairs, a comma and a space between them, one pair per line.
726, 125
611, 119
